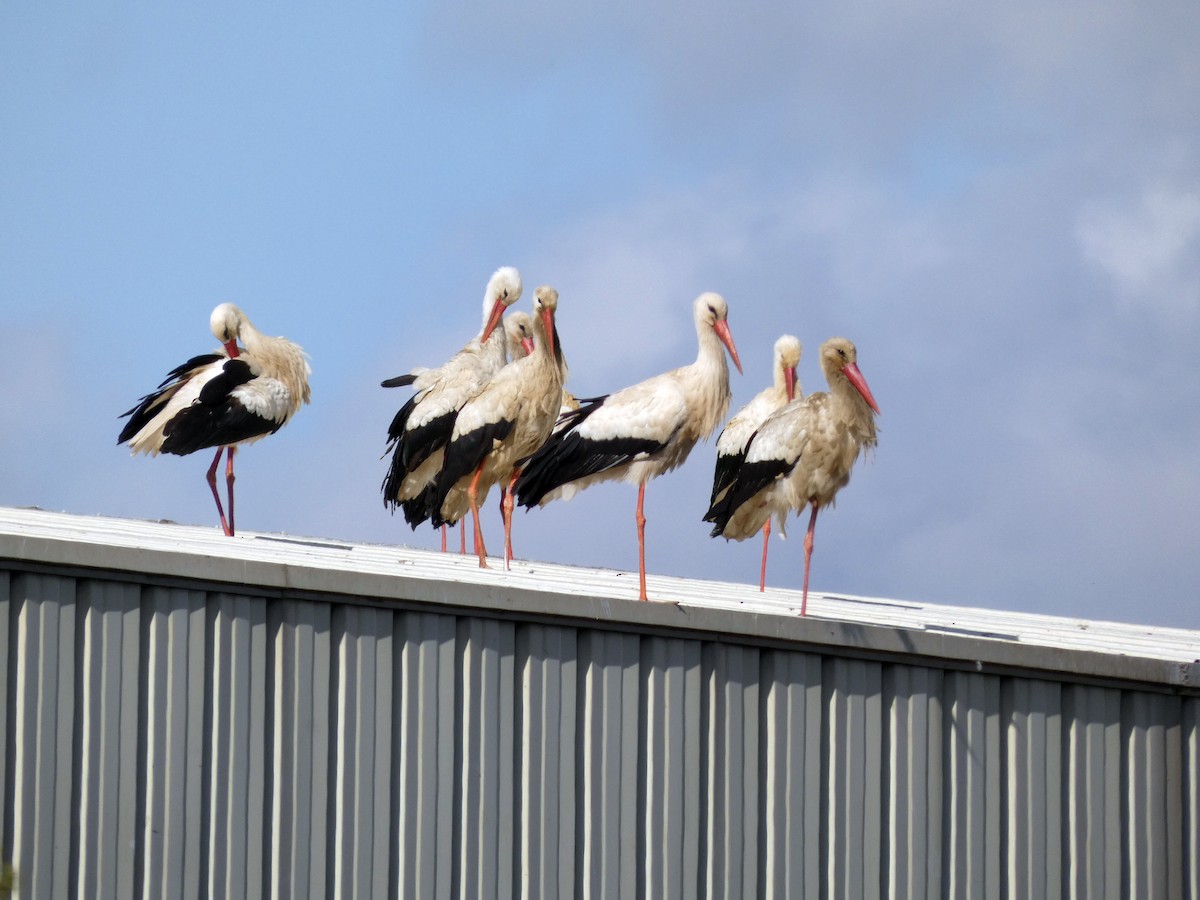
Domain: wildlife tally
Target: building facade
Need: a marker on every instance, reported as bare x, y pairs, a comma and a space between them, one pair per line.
187, 715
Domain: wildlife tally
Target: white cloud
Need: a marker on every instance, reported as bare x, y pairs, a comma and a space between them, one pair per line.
1149, 248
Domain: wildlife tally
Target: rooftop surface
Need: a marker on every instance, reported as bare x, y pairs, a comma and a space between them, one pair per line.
983, 640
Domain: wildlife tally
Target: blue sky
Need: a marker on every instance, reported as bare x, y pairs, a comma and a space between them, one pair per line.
1000, 206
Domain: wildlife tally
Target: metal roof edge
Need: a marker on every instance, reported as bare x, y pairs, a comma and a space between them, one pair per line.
331, 571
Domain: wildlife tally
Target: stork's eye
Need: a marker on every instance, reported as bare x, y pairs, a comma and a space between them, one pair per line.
841, 352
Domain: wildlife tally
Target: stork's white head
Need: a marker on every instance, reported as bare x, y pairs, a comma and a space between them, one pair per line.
712, 311
787, 357
518, 334
839, 357
503, 290
788, 350
226, 324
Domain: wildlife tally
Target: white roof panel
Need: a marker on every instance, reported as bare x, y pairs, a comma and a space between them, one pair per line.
959, 635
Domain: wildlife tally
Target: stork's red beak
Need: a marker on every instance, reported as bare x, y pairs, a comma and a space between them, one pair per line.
860, 384
789, 382
722, 330
494, 318
231, 349
548, 324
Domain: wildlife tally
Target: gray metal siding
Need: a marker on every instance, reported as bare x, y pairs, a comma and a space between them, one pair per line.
167, 741
913, 786
793, 713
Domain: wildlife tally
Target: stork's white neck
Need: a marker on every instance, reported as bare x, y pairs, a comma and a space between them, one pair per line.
707, 381
850, 408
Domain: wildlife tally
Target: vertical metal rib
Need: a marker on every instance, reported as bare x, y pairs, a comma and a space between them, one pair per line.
854, 708
972, 801
607, 817
45, 771
672, 695
363, 751
299, 746
485, 857
545, 812
732, 675
792, 774
109, 734
1153, 817
175, 626
237, 794
425, 777
1092, 826
1035, 787
913, 776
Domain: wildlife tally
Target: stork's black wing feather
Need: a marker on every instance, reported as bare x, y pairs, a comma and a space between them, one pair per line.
568, 456
463, 456
217, 418
148, 406
399, 381
412, 446
751, 478
725, 472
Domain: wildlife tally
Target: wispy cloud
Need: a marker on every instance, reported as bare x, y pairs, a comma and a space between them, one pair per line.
1149, 249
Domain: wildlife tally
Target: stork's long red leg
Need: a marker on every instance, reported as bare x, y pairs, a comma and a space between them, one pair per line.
462, 538
506, 508
443, 538
229, 484
212, 483
808, 548
762, 579
641, 532
473, 499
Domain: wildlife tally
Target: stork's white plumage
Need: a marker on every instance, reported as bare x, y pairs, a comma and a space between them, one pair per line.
735, 438
419, 432
234, 396
518, 341
802, 455
642, 431
500, 426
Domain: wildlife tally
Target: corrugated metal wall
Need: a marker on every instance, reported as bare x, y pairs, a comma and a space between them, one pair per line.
169, 742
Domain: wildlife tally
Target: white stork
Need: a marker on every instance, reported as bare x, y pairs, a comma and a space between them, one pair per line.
500, 426
223, 399
642, 431
735, 438
419, 432
518, 341
802, 455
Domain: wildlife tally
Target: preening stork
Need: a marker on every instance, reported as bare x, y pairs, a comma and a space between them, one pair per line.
642, 431
518, 341
735, 437
419, 432
802, 455
500, 426
235, 396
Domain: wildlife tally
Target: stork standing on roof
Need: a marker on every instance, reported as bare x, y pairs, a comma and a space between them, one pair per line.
237, 395
802, 455
735, 437
420, 430
501, 426
641, 432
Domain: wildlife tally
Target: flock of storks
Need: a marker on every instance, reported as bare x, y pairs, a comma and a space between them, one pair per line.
498, 413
